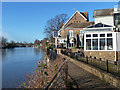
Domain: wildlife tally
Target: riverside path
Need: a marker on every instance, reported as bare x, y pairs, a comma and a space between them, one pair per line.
84, 79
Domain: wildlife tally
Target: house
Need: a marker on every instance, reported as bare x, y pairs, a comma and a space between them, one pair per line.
117, 17
102, 39
104, 16
72, 27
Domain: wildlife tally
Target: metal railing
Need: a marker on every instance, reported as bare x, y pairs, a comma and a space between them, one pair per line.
107, 65
59, 75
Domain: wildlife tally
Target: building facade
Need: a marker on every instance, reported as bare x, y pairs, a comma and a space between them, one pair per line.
73, 27
102, 39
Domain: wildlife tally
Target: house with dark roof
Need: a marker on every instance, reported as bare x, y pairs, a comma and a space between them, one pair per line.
72, 27
102, 39
104, 16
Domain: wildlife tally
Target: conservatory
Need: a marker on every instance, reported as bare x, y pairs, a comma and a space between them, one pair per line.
100, 41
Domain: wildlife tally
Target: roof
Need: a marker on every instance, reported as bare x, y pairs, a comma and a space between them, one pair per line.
84, 15
103, 12
79, 25
99, 25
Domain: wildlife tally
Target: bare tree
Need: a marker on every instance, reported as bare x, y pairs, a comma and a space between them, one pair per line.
3, 41
55, 24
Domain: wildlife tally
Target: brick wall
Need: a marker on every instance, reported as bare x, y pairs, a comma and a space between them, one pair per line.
109, 55
64, 33
118, 55
76, 18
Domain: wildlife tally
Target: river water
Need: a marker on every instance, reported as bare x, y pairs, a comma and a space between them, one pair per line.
17, 63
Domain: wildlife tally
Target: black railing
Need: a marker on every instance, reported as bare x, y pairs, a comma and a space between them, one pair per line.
61, 78
107, 65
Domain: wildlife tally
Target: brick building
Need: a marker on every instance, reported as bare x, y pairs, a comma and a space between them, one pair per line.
72, 27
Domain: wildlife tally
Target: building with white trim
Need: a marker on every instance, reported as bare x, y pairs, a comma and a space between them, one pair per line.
102, 40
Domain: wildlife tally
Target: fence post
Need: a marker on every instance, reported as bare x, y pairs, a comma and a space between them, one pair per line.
107, 66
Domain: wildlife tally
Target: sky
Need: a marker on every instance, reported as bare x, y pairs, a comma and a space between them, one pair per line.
26, 21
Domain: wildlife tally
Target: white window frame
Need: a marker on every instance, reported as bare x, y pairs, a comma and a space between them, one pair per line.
80, 32
71, 33
113, 36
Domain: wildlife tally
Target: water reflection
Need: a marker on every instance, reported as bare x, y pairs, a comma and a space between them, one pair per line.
3, 51
16, 63
36, 50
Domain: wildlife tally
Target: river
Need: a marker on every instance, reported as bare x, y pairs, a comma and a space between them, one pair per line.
17, 63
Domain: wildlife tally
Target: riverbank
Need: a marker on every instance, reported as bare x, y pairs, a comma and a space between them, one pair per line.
7, 47
44, 72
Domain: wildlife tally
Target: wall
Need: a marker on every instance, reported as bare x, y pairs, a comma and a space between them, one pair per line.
76, 18
109, 55
64, 33
118, 55
105, 20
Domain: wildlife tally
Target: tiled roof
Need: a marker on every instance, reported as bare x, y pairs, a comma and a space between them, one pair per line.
85, 14
103, 12
79, 25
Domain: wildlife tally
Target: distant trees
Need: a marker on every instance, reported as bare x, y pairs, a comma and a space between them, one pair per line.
37, 42
55, 24
3, 41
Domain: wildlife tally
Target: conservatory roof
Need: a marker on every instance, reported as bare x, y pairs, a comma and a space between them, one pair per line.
98, 25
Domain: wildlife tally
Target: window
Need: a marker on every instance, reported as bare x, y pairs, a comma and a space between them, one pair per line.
55, 34
109, 35
88, 35
116, 19
70, 33
96, 41
102, 44
95, 35
88, 44
102, 35
69, 44
109, 44
81, 32
95, 44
